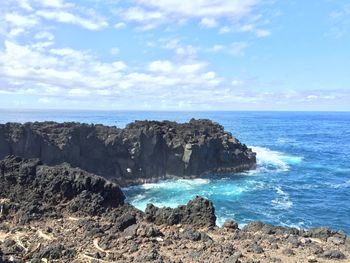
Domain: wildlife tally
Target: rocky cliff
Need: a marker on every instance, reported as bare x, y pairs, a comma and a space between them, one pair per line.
143, 151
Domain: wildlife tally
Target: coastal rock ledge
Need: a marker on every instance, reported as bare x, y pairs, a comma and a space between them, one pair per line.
144, 151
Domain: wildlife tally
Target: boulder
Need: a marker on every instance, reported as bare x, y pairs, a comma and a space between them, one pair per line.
197, 212
230, 225
324, 233
333, 254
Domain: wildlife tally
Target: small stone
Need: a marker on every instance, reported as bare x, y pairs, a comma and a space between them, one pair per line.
288, 252
336, 240
311, 259
305, 241
230, 224
293, 241
333, 254
256, 248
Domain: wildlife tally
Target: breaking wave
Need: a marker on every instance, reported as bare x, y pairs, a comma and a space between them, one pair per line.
273, 160
282, 201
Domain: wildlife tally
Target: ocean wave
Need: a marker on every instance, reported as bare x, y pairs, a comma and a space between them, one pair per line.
282, 201
339, 186
176, 184
274, 160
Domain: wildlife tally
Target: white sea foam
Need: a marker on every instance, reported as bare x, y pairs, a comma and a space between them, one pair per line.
269, 159
176, 184
339, 186
282, 201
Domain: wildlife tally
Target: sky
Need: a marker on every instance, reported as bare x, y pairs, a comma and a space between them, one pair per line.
175, 55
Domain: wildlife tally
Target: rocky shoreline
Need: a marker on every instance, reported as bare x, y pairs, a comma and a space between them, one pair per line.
54, 208
144, 151
64, 214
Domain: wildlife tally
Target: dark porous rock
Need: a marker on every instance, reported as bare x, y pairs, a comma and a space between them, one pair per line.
254, 226
228, 248
276, 260
333, 254
125, 221
195, 235
37, 190
255, 248
258, 226
149, 231
94, 232
191, 235
316, 249
130, 231
143, 151
197, 212
293, 241
288, 252
230, 224
234, 258
151, 256
324, 233
10, 247
55, 251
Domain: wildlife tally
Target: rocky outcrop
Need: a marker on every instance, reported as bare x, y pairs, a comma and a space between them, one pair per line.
143, 151
64, 214
32, 190
198, 212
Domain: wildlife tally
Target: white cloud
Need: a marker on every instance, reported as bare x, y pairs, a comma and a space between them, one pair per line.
237, 48
201, 8
114, 51
179, 49
208, 22
44, 35
215, 48
161, 66
15, 32
148, 19
262, 33
120, 25
246, 28
237, 82
340, 21
69, 73
22, 15
55, 3
66, 17
18, 20
225, 30
153, 13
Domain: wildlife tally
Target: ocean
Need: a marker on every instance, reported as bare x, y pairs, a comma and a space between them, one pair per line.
303, 174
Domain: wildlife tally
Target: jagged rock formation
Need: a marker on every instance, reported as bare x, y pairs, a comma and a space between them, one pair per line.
32, 190
144, 151
198, 212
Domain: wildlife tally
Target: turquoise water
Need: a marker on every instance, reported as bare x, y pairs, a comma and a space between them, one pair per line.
303, 174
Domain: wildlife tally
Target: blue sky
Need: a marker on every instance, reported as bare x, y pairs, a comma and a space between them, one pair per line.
175, 55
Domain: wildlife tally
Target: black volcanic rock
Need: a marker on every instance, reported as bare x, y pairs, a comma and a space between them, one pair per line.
258, 226
144, 151
34, 190
197, 212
